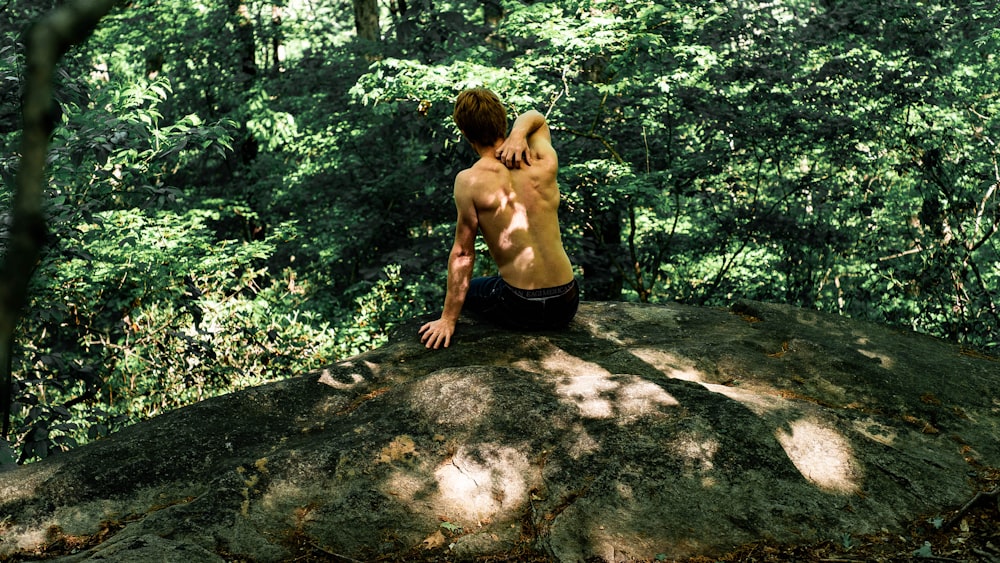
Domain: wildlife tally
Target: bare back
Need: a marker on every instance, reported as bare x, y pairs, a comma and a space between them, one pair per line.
517, 212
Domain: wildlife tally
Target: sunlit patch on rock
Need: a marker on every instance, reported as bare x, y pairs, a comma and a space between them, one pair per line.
823, 456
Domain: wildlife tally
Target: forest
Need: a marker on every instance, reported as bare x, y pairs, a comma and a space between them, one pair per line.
243, 190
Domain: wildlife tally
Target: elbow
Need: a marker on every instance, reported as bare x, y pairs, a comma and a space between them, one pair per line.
461, 262
461, 253
538, 116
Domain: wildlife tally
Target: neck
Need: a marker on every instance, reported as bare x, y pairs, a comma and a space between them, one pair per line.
487, 151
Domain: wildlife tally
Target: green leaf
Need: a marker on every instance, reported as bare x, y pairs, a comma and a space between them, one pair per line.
924, 551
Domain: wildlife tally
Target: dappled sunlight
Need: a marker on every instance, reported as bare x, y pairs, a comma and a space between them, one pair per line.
31, 539
481, 480
696, 451
405, 486
562, 363
510, 213
453, 397
518, 223
600, 394
864, 347
686, 375
597, 330
326, 378
669, 364
23, 488
525, 261
876, 431
822, 455
580, 382
884, 361
758, 403
587, 392
807, 318
676, 368
350, 374
470, 488
506, 223
638, 396
583, 443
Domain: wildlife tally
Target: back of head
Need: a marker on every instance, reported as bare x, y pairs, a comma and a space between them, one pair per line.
480, 116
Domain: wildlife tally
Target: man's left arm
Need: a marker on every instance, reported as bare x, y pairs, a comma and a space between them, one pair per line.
516, 148
460, 262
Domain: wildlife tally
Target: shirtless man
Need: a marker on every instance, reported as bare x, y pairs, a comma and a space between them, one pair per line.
510, 195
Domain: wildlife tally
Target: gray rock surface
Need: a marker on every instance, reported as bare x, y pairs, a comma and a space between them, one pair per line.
641, 431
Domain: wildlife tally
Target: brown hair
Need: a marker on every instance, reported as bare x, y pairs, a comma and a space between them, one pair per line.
480, 116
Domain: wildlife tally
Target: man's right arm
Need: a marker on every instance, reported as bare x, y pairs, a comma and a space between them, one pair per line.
460, 263
528, 130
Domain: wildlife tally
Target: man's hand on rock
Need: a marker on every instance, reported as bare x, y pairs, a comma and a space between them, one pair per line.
437, 333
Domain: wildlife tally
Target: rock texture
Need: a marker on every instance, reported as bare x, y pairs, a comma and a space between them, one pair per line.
642, 431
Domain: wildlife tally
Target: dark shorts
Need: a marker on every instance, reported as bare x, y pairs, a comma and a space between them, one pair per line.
522, 309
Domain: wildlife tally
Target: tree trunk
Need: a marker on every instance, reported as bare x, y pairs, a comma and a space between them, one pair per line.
47, 41
366, 19
277, 47
492, 13
601, 261
246, 48
397, 8
492, 16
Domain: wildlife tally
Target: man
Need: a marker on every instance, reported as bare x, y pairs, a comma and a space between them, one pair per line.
510, 195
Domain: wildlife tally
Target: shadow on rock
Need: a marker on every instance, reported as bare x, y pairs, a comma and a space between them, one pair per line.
642, 431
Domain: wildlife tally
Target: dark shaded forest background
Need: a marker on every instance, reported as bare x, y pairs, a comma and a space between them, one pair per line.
240, 190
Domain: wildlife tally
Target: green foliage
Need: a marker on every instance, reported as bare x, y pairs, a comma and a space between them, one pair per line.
271, 129
221, 216
925, 551
847, 542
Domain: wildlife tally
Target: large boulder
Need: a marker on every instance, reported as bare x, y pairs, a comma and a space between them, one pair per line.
640, 432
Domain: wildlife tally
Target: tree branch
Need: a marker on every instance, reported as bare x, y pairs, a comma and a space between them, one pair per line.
565, 90
981, 495
614, 154
47, 41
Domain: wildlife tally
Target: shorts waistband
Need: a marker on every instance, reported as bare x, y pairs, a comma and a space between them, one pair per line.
543, 293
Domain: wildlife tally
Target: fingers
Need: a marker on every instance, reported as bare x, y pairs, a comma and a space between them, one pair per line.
503, 155
436, 340
426, 334
434, 337
508, 158
514, 159
513, 155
